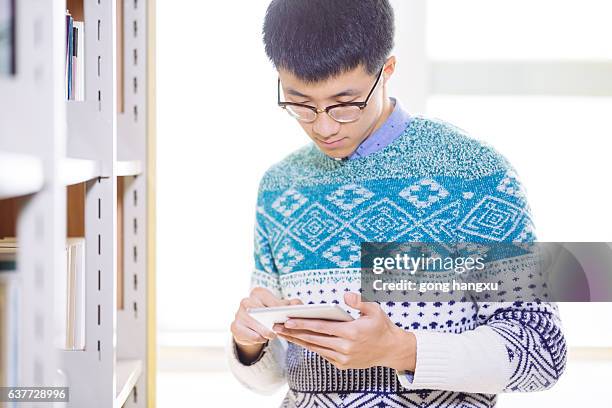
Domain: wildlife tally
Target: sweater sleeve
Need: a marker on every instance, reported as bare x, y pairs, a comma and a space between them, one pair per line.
267, 373
516, 346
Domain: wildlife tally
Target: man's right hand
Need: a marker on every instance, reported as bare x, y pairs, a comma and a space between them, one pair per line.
250, 335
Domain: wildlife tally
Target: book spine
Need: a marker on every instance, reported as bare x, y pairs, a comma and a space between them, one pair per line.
80, 75
69, 56
9, 335
67, 59
75, 37
79, 296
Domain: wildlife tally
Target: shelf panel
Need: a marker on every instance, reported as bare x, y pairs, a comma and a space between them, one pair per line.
129, 167
127, 374
20, 174
74, 171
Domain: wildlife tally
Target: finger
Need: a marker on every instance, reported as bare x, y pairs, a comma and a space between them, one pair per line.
339, 329
267, 298
247, 336
250, 302
329, 355
353, 300
338, 344
280, 328
295, 302
249, 321
322, 351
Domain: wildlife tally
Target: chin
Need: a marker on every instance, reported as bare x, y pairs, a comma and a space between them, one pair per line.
337, 154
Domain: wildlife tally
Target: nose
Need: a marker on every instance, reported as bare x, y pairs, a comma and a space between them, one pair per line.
324, 126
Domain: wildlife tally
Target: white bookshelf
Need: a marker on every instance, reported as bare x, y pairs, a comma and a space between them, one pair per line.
20, 174
74, 171
129, 167
48, 144
127, 373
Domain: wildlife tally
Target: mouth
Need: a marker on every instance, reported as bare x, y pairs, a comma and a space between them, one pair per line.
333, 143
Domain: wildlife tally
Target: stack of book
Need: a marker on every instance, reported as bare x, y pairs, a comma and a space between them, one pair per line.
7, 37
73, 284
9, 303
75, 59
8, 250
69, 293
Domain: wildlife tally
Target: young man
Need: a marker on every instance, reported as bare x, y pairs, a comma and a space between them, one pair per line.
373, 172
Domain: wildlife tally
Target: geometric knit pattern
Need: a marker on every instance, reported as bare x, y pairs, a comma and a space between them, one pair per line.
419, 398
431, 184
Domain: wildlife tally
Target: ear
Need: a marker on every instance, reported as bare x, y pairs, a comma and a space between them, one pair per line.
389, 68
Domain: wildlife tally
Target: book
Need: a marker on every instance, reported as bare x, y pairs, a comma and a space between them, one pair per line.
75, 311
4, 333
74, 59
8, 260
7, 37
70, 297
73, 55
69, 52
8, 254
69, 290
79, 77
66, 66
9, 331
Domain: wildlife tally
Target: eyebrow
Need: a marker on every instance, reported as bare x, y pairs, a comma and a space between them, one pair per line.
347, 92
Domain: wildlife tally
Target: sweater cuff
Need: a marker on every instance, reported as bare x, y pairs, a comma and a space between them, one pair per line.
474, 361
266, 374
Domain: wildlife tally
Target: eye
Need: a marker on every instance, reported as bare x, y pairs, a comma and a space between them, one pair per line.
348, 101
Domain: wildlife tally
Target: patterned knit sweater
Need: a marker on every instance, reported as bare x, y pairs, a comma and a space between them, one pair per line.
432, 184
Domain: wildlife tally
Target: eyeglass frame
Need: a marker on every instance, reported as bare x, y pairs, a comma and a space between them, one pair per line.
360, 105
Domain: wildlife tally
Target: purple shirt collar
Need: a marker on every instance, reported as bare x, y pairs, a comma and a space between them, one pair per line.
390, 130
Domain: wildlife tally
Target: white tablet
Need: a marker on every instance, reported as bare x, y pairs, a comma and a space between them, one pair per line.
268, 316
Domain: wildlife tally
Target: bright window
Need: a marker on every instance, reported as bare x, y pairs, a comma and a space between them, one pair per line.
212, 149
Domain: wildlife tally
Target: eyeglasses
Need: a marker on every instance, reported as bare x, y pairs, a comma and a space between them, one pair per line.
341, 112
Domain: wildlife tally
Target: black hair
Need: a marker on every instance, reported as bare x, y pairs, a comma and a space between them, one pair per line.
319, 39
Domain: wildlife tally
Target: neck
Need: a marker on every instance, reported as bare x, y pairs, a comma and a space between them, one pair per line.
386, 111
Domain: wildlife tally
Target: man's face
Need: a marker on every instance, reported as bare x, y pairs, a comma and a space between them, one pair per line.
335, 139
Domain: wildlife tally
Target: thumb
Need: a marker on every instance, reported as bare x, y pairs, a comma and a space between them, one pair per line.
353, 300
296, 302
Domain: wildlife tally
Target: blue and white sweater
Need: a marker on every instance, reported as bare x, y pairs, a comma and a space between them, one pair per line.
434, 184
